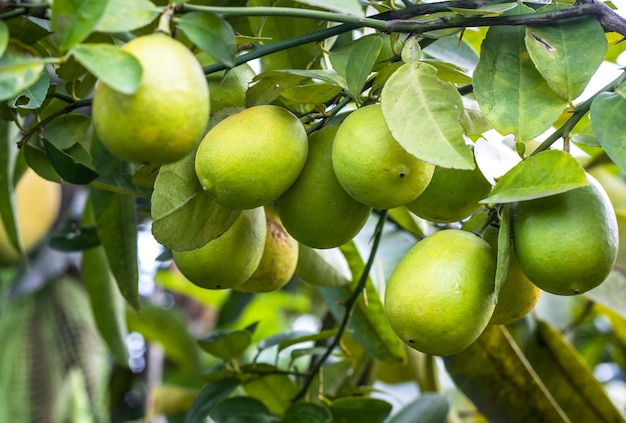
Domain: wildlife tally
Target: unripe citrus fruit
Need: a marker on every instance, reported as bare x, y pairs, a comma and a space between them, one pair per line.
165, 118
567, 243
372, 166
316, 210
37, 206
250, 158
518, 295
451, 195
441, 295
229, 259
279, 260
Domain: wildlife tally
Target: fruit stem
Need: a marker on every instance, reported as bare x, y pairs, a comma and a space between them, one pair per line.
349, 304
164, 21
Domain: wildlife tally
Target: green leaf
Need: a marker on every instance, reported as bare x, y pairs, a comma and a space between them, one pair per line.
68, 167
428, 408
240, 409
611, 293
359, 66
226, 344
368, 324
305, 412
321, 336
345, 7
512, 94
8, 212
75, 238
403, 218
4, 37
435, 135
113, 66
609, 125
169, 328
567, 54
411, 51
359, 409
323, 268
185, 216
276, 391
212, 34
498, 379
73, 20
126, 15
106, 302
34, 96
39, 161
568, 378
19, 69
504, 248
211, 394
311, 93
547, 173
67, 130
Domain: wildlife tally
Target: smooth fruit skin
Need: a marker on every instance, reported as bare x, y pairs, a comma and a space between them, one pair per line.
166, 117
567, 243
316, 210
372, 166
229, 259
451, 195
279, 260
441, 295
250, 158
37, 205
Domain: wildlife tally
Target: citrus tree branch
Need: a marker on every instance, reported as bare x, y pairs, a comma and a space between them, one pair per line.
349, 305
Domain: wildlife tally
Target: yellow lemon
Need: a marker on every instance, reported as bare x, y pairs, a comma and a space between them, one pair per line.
567, 243
372, 166
250, 158
316, 210
229, 259
165, 118
441, 296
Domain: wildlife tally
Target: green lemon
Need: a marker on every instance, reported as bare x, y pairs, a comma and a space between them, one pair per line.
372, 166
451, 195
567, 243
229, 259
316, 210
37, 205
165, 118
250, 158
441, 296
279, 260
518, 295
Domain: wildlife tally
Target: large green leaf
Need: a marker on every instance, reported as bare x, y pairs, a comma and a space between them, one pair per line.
433, 133
73, 20
240, 409
126, 15
360, 62
568, 378
609, 125
19, 69
185, 216
226, 344
212, 34
113, 66
276, 391
547, 173
496, 376
359, 409
305, 412
70, 167
368, 324
67, 130
512, 94
34, 96
567, 53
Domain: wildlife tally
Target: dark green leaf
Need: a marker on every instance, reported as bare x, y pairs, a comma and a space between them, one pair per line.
437, 136
498, 379
547, 173
126, 15
33, 96
185, 216
609, 125
67, 130
226, 344
68, 167
359, 66
73, 20
211, 395
304, 412
512, 94
276, 391
113, 66
19, 69
359, 409
428, 408
8, 212
4, 37
212, 34
569, 379
75, 238
39, 161
28, 30
244, 408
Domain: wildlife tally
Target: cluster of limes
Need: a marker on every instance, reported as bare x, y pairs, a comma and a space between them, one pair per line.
324, 186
